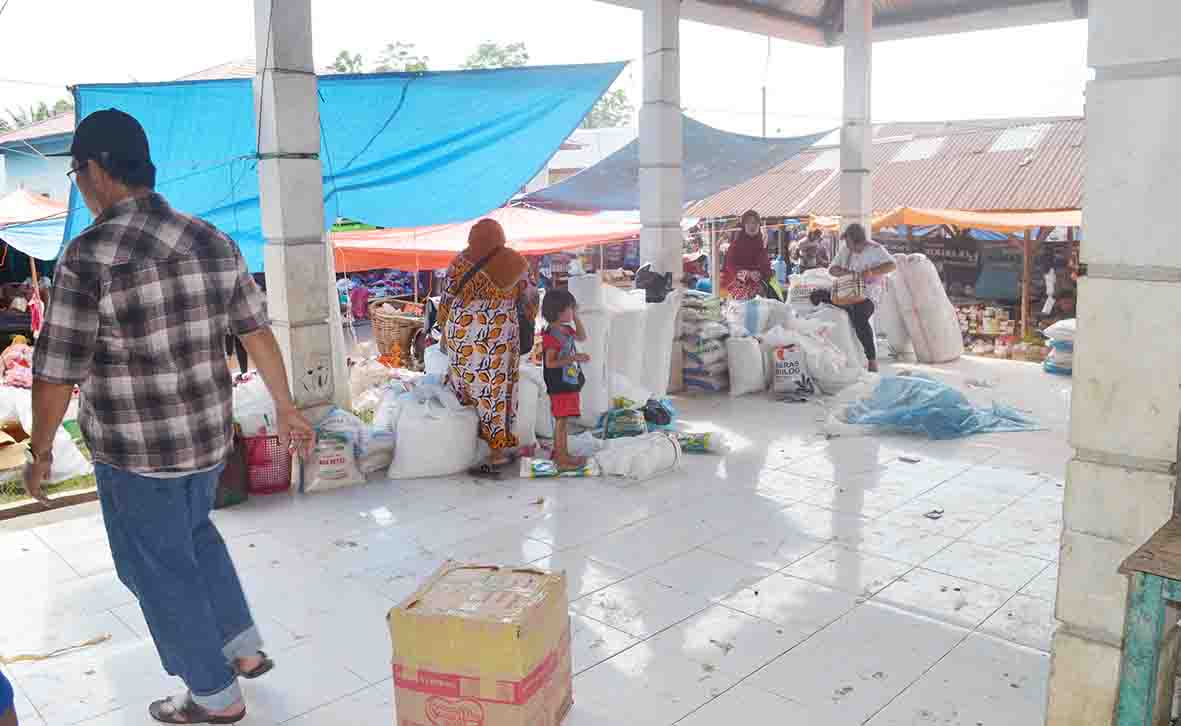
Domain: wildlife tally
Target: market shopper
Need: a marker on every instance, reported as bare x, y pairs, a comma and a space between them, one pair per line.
747, 265
142, 300
810, 252
861, 256
486, 292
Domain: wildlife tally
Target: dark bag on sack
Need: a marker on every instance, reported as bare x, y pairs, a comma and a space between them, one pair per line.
233, 487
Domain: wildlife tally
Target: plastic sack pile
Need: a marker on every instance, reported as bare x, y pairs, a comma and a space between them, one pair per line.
920, 405
1061, 357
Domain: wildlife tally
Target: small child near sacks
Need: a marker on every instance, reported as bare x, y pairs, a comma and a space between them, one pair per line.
563, 375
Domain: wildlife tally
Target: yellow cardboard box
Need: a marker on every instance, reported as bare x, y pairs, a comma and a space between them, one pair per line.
482, 645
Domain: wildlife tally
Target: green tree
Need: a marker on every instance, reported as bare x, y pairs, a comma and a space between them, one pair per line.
400, 57
495, 55
20, 116
613, 109
348, 63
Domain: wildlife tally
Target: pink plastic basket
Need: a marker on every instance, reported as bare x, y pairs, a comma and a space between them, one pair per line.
268, 465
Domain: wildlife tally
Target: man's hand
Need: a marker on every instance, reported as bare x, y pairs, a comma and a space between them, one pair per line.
296, 432
35, 475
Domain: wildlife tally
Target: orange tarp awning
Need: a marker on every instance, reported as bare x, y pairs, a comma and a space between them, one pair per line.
530, 231
23, 206
992, 221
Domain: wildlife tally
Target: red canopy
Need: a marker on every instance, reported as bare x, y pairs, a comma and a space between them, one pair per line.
530, 232
24, 206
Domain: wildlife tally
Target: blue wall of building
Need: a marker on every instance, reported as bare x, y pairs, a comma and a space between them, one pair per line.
25, 170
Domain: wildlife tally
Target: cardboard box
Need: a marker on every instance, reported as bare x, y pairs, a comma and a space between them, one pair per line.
482, 645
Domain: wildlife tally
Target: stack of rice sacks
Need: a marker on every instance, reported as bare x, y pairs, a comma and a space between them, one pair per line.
703, 337
1061, 357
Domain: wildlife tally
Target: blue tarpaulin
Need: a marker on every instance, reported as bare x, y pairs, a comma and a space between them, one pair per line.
917, 405
714, 160
41, 239
397, 149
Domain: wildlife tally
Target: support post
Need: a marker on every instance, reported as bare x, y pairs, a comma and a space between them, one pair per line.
661, 184
1026, 280
857, 129
300, 285
715, 273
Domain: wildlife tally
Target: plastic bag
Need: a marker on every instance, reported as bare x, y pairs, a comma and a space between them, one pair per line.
640, 458
701, 331
755, 317
746, 363
436, 361
545, 469
703, 443
254, 411
790, 370
624, 422
368, 375
1063, 330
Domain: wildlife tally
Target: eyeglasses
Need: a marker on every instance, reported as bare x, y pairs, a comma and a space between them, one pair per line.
73, 172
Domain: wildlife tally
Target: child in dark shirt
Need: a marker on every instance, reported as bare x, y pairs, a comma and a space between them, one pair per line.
563, 375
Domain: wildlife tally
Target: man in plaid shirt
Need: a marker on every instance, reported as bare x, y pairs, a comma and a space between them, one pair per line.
141, 303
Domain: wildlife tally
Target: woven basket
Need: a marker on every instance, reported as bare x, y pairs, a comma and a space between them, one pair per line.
393, 328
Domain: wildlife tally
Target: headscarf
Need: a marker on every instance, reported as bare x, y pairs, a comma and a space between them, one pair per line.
747, 252
507, 267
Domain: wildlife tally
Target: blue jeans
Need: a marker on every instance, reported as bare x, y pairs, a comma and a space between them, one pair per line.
170, 555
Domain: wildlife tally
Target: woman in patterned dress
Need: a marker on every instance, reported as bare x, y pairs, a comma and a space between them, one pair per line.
478, 315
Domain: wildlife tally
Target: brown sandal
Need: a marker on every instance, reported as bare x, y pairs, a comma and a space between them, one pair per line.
182, 710
260, 670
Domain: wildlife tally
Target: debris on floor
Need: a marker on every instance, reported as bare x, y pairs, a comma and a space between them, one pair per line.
34, 657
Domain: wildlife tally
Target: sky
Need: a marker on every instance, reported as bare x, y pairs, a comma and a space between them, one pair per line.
1034, 71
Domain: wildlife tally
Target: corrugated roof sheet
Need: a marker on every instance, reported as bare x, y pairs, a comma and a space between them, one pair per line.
963, 174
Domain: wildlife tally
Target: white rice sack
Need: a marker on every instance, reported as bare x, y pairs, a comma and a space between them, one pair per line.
888, 320
705, 353
525, 423
433, 439
436, 362
706, 382
841, 333
587, 291
377, 452
1063, 330
928, 314
658, 343
755, 317
595, 393
332, 465
801, 287
640, 458
628, 321
746, 364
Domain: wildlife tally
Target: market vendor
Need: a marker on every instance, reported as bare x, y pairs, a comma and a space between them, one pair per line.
861, 256
747, 264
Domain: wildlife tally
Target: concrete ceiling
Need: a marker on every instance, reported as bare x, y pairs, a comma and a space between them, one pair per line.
819, 22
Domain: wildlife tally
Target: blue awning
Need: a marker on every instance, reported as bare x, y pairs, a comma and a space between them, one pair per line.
713, 160
398, 149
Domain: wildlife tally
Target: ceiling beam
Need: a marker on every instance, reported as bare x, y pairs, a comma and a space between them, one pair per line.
991, 15
746, 16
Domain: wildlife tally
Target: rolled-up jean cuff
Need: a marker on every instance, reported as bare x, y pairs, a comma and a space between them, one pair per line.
243, 645
221, 700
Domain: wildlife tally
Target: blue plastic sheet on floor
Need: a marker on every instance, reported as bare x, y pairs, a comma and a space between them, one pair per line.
911, 404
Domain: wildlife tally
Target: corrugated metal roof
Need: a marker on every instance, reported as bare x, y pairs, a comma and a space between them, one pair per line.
241, 68
962, 174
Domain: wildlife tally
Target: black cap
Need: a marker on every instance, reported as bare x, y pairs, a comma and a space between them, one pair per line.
111, 132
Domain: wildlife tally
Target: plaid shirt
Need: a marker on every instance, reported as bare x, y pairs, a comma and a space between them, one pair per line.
140, 307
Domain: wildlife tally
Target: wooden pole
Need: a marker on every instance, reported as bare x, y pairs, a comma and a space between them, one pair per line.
1026, 279
714, 273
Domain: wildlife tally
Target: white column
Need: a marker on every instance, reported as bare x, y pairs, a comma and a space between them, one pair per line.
291, 198
857, 129
661, 185
1122, 482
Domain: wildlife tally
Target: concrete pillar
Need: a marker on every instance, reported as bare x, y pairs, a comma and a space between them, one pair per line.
857, 129
300, 281
661, 185
1121, 483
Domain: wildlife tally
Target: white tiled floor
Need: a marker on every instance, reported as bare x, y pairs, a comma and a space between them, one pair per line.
796, 580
